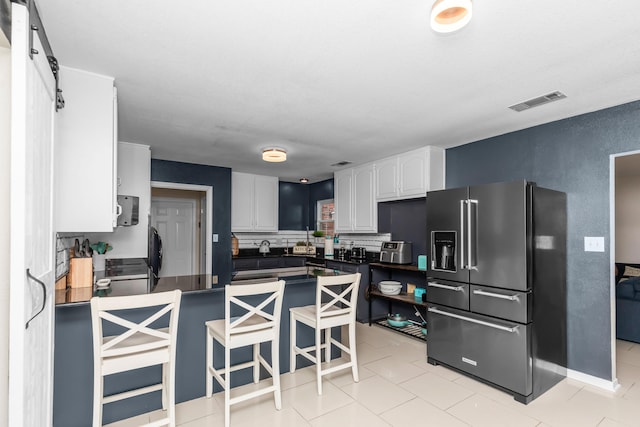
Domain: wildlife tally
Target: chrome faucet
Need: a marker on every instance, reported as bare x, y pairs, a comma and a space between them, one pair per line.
286, 248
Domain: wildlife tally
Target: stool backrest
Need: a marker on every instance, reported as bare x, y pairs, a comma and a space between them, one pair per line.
135, 336
334, 302
260, 316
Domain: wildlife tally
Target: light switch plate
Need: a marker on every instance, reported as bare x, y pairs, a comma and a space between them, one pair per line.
593, 244
215, 238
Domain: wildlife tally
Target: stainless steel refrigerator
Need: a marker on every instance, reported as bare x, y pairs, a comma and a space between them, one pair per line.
496, 288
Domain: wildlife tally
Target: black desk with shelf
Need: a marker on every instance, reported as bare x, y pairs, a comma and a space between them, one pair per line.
403, 298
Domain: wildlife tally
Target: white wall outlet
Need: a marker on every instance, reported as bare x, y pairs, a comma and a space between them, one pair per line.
215, 238
593, 244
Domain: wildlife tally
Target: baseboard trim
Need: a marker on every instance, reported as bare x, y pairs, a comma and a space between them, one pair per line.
611, 386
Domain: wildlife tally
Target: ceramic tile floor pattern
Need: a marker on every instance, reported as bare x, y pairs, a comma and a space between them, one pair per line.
399, 388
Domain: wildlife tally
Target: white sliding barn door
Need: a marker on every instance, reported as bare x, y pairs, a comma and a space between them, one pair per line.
32, 265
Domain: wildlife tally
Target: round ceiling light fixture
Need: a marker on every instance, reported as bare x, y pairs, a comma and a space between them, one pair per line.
304, 180
274, 155
450, 15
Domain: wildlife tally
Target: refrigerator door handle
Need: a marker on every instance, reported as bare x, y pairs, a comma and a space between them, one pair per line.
447, 287
461, 245
470, 235
494, 295
469, 319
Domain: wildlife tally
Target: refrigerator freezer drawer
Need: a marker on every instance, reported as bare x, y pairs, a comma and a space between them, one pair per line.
446, 292
502, 303
488, 348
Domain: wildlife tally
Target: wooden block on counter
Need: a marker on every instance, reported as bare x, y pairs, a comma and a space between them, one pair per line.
61, 283
80, 273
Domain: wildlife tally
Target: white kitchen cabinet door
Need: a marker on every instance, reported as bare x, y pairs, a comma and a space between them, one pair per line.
387, 179
413, 174
242, 201
254, 202
343, 200
410, 175
266, 203
365, 207
86, 153
355, 203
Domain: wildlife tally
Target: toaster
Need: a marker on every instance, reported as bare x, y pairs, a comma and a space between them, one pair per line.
396, 252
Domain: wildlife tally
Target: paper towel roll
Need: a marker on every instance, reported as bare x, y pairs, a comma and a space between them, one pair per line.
328, 247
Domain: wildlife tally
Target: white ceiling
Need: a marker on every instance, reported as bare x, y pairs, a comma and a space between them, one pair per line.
214, 82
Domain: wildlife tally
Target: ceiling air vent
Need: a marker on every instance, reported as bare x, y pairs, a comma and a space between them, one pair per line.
342, 163
535, 102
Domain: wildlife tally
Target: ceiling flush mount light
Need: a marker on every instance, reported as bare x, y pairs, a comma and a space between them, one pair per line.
450, 15
274, 155
304, 180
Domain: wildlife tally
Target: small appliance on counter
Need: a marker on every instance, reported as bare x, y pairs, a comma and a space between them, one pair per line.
396, 252
358, 253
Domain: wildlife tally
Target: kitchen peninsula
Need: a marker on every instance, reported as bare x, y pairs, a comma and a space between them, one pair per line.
201, 301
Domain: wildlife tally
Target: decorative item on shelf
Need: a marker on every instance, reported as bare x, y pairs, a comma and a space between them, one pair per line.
301, 248
390, 287
417, 294
422, 262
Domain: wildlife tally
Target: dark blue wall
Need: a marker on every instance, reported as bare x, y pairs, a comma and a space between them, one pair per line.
571, 155
293, 206
298, 203
218, 178
405, 220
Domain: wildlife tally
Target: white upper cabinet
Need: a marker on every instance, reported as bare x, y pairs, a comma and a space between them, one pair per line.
86, 153
410, 174
254, 202
354, 198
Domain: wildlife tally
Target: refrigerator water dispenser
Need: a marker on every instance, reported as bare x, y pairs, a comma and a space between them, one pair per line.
443, 251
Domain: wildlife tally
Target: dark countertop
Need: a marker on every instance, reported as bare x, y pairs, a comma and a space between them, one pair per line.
190, 284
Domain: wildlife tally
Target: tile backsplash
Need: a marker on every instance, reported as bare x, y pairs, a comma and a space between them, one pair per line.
288, 238
64, 243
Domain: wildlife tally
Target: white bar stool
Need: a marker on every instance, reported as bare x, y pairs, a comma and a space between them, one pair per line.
340, 309
139, 345
259, 323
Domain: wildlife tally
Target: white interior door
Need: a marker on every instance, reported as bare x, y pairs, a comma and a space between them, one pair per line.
32, 265
175, 220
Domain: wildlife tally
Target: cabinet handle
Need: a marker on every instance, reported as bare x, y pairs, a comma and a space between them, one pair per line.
447, 287
461, 244
469, 319
471, 235
494, 295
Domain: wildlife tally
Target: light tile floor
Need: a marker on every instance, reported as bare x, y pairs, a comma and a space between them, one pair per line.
399, 388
